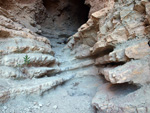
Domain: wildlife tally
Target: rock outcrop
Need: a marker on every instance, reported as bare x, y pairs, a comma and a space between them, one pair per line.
116, 35
18, 38
117, 39
21, 26
111, 45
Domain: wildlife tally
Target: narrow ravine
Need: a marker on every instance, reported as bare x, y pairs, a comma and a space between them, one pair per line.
72, 96
74, 56
69, 90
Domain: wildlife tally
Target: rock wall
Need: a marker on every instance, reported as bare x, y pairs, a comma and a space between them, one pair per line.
16, 41
116, 37
25, 12
96, 5
111, 44
18, 38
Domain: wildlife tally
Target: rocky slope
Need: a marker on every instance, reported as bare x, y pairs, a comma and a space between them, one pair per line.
108, 53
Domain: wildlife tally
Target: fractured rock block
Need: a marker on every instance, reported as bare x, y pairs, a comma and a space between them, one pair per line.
137, 71
136, 49
113, 57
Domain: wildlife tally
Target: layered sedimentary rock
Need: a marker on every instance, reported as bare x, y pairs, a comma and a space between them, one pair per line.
16, 43
116, 34
117, 39
21, 22
112, 43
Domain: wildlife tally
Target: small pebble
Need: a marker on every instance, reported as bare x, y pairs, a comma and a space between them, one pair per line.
40, 105
55, 107
48, 104
5, 107
36, 107
27, 110
35, 103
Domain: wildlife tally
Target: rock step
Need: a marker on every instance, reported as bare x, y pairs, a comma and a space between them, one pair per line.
72, 66
27, 72
135, 49
132, 71
36, 59
22, 45
27, 87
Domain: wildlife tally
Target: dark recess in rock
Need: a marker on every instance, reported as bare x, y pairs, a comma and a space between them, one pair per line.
64, 17
123, 89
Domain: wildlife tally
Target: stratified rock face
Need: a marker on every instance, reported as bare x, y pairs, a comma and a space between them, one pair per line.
17, 41
118, 34
19, 37
113, 43
117, 38
96, 5
24, 12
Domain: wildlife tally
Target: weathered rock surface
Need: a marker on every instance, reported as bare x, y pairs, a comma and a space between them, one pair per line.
112, 43
133, 49
27, 87
136, 71
17, 40
123, 98
118, 36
